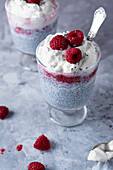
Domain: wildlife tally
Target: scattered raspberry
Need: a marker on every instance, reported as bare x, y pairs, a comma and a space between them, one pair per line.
19, 147
36, 166
3, 112
59, 43
9, 150
34, 1
75, 38
73, 55
42, 143
2, 151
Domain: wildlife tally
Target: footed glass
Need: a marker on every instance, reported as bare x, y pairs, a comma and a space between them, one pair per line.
67, 93
27, 33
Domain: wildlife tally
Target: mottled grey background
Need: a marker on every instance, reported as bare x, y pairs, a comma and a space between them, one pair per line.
20, 91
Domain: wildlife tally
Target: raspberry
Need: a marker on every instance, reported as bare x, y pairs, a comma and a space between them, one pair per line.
34, 1
42, 143
58, 43
75, 38
19, 147
2, 151
3, 112
73, 55
36, 166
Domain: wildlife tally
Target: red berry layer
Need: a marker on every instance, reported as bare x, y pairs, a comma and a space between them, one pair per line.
60, 77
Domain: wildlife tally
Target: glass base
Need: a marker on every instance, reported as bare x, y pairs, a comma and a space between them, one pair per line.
28, 62
67, 118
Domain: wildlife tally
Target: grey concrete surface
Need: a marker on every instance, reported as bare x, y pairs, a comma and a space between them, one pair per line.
20, 91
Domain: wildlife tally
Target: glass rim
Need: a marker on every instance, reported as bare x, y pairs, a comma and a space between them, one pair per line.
78, 71
55, 10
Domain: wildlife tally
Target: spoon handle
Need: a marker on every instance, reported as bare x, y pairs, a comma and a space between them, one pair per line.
98, 19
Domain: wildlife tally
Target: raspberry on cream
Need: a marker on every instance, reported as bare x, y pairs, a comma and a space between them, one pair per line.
56, 59
34, 1
73, 55
58, 43
75, 38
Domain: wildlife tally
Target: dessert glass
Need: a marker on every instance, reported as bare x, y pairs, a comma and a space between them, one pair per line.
67, 93
27, 33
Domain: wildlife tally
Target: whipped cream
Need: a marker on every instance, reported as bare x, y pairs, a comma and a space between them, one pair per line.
55, 59
21, 8
102, 153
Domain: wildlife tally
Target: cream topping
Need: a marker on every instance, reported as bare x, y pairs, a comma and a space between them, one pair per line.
55, 59
21, 8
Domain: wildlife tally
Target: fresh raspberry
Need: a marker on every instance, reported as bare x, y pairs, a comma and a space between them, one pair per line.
58, 43
3, 112
2, 151
75, 38
34, 1
73, 55
36, 166
42, 143
19, 147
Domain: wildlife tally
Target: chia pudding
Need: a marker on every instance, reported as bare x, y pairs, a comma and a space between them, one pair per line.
31, 21
67, 65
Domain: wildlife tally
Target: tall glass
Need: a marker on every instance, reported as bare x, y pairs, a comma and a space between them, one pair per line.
27, 33
67, 93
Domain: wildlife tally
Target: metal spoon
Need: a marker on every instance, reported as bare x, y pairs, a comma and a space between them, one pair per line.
98, 19
104, 146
